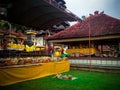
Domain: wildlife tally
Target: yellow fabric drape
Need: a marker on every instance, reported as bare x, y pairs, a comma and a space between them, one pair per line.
18, 74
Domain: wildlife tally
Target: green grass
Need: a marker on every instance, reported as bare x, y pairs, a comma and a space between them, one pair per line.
85, 81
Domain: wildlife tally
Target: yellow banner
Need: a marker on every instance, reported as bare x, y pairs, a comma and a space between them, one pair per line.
18, 74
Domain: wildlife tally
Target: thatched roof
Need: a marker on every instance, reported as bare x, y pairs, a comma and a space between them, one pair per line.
99, 24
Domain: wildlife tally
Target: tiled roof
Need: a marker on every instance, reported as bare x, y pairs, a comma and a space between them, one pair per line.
99, 24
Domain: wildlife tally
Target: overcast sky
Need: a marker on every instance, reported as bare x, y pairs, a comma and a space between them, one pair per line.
85, 7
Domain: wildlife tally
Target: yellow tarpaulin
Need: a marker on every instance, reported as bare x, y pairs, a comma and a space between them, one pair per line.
18, 74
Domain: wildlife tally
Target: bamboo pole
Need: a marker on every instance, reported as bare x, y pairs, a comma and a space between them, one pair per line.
90, 67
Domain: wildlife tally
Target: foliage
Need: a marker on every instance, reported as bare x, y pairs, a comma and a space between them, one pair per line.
17, 28
4, 25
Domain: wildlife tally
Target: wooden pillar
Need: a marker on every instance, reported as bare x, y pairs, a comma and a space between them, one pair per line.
80, 45
92, 44
69, 46
101, 48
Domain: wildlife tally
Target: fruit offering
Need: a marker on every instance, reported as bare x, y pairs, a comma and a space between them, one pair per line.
29, 60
